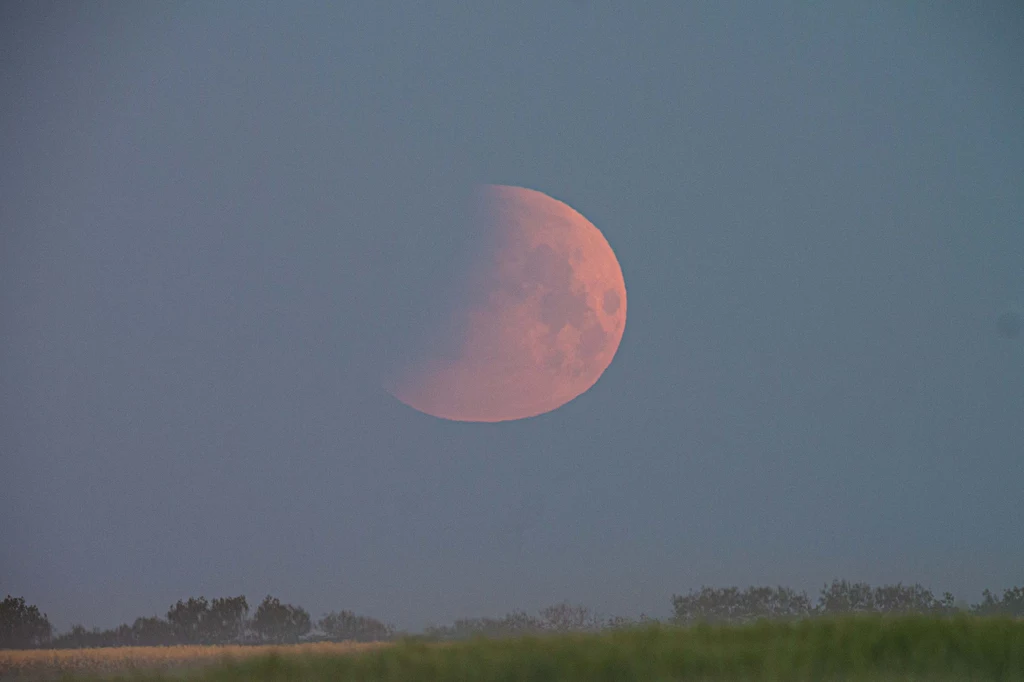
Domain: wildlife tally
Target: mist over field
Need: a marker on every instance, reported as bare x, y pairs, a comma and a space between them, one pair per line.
223, 226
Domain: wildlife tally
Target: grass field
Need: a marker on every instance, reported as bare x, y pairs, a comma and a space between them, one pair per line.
916, 648
89, 663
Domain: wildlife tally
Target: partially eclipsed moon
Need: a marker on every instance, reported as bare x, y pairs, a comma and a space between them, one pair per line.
547, 312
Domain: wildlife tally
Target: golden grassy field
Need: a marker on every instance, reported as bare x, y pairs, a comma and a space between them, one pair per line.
50, 663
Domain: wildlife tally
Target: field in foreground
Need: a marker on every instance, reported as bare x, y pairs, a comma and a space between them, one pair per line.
914, 648
83, 663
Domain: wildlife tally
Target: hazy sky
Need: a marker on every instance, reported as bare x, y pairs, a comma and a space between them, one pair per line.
220, 222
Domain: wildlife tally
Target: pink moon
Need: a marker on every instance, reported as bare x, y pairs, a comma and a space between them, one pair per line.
548, 313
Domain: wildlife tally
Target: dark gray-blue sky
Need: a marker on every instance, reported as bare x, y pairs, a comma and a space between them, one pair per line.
219, 223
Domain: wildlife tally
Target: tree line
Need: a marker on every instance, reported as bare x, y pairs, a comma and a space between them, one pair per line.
227, 620
224, 620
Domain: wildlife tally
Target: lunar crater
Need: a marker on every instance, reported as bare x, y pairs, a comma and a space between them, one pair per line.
611, 302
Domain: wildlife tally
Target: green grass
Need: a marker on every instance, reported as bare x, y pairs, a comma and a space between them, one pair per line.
869, 648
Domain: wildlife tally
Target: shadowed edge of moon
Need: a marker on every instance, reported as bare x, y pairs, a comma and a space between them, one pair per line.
545, 322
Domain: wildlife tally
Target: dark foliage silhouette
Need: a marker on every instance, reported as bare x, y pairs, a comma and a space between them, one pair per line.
188, 620
226, 620
280, 623
22, 626
843, 597
348, 626
1010, 604
731, 604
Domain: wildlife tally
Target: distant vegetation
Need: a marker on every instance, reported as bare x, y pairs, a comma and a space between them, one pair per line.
872, 648
193, 621
227, 620
22, 626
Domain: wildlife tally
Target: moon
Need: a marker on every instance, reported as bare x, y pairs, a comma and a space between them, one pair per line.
545, 313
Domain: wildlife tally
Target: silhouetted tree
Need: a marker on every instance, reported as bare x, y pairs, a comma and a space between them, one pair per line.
566, 617
900, 598
152, 632
464, 628
348, 626
843, 597
22, 626
277, 622
1010, 604
512, 624
519, 623
78, 637
188, 619
711, 604
225, 621
81, 638
625, 622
